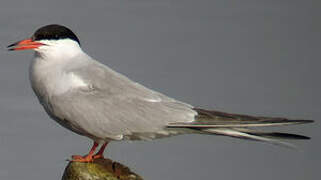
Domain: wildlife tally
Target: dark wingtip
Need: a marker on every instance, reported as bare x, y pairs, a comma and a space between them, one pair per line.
289, 136
280, 135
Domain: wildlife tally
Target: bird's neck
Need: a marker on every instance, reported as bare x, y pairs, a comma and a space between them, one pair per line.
55, 51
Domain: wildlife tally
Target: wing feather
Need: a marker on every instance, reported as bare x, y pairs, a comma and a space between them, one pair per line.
114, 106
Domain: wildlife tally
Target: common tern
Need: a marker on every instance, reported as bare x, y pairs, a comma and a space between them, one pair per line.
90, 99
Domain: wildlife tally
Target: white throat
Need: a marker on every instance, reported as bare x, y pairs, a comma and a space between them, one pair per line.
56, 50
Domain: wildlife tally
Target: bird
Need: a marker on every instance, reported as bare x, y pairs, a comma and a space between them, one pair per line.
92, 100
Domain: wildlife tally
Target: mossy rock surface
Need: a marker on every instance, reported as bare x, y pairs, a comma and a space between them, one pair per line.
100, 169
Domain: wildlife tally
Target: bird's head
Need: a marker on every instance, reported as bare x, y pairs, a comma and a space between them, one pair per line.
50, 39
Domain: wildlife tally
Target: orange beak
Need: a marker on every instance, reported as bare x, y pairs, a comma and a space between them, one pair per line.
24, 45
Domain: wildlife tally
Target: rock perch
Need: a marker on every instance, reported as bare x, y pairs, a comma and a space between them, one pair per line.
100, 169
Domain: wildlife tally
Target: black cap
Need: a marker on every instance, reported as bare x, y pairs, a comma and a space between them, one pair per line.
54, 32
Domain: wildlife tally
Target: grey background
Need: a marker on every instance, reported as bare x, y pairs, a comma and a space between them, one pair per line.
249, 56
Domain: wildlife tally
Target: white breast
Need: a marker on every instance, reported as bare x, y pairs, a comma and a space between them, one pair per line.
50, 75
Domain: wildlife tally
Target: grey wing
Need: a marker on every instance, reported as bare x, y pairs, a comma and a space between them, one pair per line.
114, 107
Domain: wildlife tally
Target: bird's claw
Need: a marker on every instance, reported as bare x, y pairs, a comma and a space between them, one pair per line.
78, 158
98, 156
87, 158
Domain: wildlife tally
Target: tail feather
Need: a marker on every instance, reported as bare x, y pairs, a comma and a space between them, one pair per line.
248, 136
276, 135
237, 125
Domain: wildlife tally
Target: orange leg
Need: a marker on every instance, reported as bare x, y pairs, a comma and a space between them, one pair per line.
100, 153
88, 157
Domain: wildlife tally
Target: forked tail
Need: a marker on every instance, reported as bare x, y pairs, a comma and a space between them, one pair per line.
239, 126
